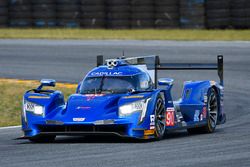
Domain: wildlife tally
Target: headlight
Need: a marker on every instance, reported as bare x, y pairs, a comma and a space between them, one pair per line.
34, 108
138, 106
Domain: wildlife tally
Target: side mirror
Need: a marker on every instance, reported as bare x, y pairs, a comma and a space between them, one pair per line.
165, 81
48, 82
45, 82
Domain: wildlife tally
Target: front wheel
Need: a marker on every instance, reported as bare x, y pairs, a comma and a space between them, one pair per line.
160, 118
43, 139
212, 115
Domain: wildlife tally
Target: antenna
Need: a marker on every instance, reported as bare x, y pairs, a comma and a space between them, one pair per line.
123, 55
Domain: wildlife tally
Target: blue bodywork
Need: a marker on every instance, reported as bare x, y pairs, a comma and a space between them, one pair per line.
98, 112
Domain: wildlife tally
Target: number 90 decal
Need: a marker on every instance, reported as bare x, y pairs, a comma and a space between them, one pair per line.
170, 117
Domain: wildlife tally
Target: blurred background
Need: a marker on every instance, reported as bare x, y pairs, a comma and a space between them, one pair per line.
126, 14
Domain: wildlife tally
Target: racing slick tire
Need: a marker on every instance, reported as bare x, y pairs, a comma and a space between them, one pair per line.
43, 139
160, 118
212, 114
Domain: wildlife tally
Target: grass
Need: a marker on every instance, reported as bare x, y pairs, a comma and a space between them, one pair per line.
146, 34
11, 98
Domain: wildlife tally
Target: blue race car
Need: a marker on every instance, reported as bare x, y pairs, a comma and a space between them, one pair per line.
120, 97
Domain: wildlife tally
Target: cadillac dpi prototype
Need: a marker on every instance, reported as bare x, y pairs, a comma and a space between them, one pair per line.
121, 97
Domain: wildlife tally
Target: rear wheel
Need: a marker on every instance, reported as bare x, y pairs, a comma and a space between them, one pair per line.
212, 112
160, 118
212, 115
43, 139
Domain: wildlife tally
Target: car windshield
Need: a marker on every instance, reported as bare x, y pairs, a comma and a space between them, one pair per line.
108, 84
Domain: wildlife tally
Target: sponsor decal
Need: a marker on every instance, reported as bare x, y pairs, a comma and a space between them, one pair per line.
92, 96
83, 108
205, 99
30, 106
78, 119
152, 122
104, 122
152, 119
196, 115
201, 117
149, 132
204, 113
152, 127
105, 73
170, 117
39, 97
53, 122
95, 95
133, 97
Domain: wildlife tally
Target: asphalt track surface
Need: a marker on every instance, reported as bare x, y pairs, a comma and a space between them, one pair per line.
69, 61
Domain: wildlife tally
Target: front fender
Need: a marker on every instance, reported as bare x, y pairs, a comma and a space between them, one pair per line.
49, 100
145, 124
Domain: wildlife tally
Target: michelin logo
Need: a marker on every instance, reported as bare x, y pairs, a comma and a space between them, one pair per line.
78, 119
196, 115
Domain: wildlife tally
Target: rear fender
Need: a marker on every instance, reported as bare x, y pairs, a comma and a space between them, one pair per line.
194, 97
194, 92
193, 100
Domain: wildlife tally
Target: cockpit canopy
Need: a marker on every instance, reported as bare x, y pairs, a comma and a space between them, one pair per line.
121, 79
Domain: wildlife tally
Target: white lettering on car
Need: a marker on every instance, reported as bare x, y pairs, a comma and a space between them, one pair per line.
105, 73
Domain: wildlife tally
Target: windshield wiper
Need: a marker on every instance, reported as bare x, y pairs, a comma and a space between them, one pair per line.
90, 91
101, 84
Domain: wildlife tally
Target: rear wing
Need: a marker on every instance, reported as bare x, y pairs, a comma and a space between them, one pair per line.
153, 64
193, 66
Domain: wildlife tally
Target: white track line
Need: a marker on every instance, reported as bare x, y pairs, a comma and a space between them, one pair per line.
10, 127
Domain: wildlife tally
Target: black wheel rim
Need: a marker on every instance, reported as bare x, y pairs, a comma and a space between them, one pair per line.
212, 110
160, 117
